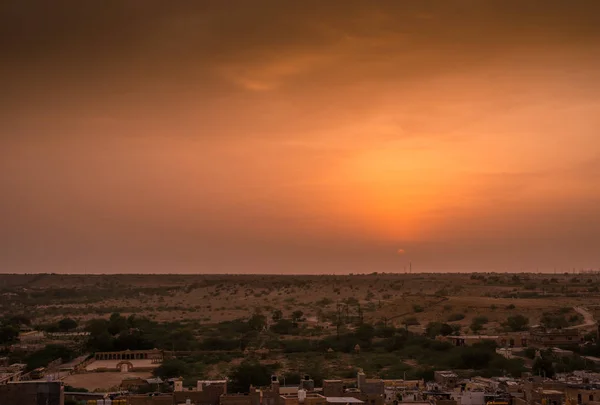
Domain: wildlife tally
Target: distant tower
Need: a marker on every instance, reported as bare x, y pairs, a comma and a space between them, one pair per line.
410, 267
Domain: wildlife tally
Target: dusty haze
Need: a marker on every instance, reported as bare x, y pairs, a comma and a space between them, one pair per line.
299, 136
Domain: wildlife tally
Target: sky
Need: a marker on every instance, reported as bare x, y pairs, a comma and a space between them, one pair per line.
299, 136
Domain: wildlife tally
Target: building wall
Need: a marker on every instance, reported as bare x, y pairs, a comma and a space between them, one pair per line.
582, 396
368, 399
210, 395
373, 387
333, 388
32, 393
130, 355
565, 337
315, 400
237, 399
445, 378
147, 400
471, 398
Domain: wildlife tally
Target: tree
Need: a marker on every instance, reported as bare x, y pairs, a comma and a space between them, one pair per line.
476, 327
97, 326
102, 342
117, 324
17, 320
250, 373
50, 353
67, 324
131, 341
543, 366
172, 368
456, 317
478, 322
276, 315
8, 334
434, 329
257, 322
284, 327
297, 316
365, 332
517, 323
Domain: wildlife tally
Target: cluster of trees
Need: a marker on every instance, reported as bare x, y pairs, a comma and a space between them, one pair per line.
42, 357
137, 333
517, 323
10, 327
477, 323
64, 325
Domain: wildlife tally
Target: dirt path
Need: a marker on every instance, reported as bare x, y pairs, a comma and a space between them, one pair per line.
588, 318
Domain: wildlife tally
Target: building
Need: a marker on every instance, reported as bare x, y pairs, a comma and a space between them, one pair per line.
304, 397
153, 354
11, 373
333, 388
126, 361
504, 340
446, 378
583, 394
555, 337
32, 393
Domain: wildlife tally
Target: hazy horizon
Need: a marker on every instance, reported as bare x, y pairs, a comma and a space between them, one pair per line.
299, 137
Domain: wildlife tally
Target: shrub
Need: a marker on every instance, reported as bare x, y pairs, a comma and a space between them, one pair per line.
456, 317
410, 321
517, 323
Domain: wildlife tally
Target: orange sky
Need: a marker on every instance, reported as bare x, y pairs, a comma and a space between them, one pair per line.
306, 136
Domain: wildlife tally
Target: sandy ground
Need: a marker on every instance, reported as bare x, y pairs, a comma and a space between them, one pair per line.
101, 381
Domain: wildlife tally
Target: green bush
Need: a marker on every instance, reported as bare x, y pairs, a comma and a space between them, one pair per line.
456, 317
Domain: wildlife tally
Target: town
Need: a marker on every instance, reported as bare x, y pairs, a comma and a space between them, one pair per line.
537, 345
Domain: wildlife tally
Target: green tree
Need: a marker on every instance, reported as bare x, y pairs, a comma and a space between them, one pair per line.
456, 317
117, 324
102, 342
543, 366
284, 327
517, 323
365, 332
172, 368
297, 316
96, 326
41, 358
276, 315
67, 324
257, 322
17, 320
250, 373
434, 329
476, 327
8, 334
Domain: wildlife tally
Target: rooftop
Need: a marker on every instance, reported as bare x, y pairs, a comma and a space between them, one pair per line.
344, 400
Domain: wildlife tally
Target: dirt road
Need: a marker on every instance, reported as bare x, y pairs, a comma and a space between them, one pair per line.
588, 318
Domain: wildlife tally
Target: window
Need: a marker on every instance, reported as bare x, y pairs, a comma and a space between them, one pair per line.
591, 397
